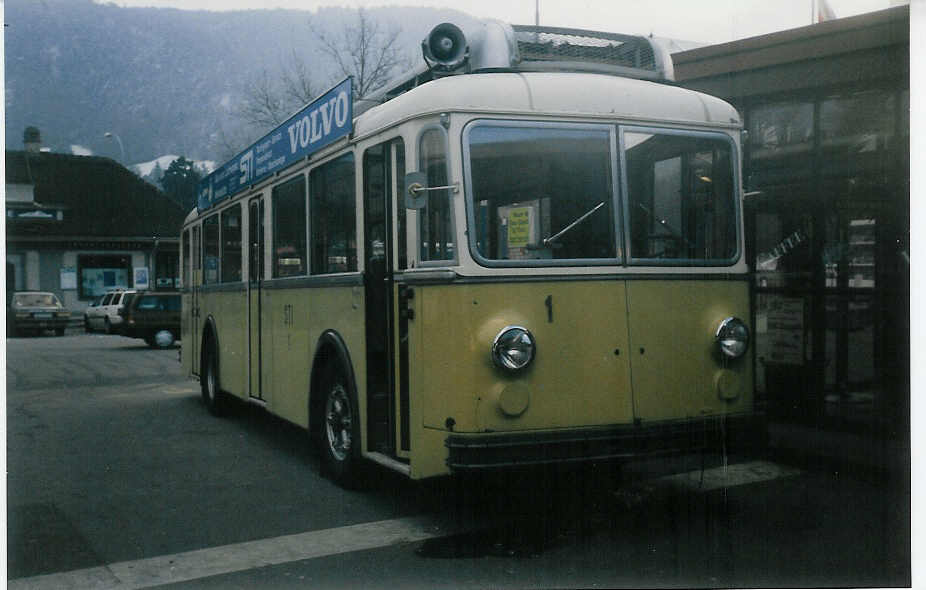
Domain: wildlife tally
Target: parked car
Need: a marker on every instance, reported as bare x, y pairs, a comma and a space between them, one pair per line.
95, 316
36, 311
92, 310
106, 316
153, 316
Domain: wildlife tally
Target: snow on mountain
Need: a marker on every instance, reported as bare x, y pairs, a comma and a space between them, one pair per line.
144, 169
79, 150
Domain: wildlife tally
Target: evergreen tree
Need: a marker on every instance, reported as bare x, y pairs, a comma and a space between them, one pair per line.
180, 181
155, 176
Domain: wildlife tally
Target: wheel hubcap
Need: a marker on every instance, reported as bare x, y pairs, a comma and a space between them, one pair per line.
164, 338
338, 422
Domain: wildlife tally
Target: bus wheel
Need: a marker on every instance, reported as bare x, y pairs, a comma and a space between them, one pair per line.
162, 339
339, 431
209, 382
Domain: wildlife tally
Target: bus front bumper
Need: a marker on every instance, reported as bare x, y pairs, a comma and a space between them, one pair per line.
485, 451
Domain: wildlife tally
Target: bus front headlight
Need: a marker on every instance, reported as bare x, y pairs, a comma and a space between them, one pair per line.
732, 338
513, 348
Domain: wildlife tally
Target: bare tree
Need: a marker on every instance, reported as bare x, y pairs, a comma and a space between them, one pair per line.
269, 100
227, 141
366, 51
298, 87
263, 104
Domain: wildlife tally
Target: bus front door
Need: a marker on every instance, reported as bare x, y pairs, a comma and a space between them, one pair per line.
255, 277
380, 172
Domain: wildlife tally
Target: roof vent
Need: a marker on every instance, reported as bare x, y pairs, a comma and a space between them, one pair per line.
495, 46
550, 48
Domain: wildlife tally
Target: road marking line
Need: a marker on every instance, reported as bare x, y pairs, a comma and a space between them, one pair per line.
202, 563
730, 476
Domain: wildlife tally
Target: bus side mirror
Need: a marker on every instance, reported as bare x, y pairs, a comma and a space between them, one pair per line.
415, 190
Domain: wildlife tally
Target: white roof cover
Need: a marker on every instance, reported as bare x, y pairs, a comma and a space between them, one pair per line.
554, 93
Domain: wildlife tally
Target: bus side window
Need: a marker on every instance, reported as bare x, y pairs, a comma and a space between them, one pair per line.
211, 249
333, 222
231, 244
185, 276
197, 261
435, 221
398, 147
289, 244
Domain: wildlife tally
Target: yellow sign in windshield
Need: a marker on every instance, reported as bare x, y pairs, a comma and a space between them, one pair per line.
519, 226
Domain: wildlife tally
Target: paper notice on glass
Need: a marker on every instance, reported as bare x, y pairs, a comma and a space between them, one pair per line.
785, 330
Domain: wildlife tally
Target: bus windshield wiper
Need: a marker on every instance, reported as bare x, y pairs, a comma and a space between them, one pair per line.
553, 238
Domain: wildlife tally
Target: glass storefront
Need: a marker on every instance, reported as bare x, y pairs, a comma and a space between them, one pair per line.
98, 274
829, 227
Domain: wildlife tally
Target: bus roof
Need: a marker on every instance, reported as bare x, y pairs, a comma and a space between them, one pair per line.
566, 94
552, 93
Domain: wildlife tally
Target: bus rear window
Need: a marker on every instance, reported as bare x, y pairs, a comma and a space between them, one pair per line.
542, 192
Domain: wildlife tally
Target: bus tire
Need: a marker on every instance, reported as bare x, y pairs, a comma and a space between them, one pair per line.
209, 383
162, 339
339, 430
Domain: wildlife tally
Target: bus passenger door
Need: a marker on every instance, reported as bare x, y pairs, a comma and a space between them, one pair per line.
379, 182
255, 277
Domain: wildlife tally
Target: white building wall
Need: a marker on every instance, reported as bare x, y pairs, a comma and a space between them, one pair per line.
33, 282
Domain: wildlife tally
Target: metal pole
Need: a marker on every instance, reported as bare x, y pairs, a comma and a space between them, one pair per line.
110, 135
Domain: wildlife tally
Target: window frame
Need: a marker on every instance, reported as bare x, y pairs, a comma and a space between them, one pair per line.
616, 208
451, 206
735, 158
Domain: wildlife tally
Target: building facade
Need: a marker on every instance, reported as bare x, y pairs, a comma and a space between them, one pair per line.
80, 225
826, 174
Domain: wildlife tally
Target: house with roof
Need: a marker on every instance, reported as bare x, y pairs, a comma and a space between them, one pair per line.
80, 225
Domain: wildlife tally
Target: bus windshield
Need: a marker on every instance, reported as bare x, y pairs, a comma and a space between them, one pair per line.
681, 198
542, 192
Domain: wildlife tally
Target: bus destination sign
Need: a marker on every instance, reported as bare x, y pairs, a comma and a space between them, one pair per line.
322, 122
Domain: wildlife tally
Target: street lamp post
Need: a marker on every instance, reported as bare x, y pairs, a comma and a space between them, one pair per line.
110, 135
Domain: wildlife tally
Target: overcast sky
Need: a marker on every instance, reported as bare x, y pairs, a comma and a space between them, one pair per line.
706, 21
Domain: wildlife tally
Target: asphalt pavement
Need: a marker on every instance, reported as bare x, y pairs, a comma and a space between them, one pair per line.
119, 478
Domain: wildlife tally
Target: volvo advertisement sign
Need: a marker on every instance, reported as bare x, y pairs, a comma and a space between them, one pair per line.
322, 122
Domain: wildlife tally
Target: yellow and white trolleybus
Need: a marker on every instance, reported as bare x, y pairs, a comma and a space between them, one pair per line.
529, 250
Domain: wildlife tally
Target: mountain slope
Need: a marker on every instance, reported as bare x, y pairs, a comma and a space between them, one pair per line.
163, 80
